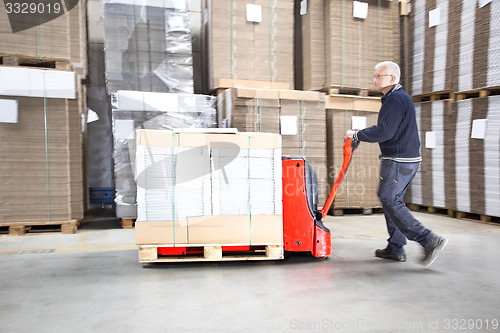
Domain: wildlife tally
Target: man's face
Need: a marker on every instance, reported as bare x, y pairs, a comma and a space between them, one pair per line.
381, 79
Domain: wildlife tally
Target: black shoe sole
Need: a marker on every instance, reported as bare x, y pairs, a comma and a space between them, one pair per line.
390, 256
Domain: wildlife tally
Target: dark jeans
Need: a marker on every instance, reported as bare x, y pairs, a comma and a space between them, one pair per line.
394, 180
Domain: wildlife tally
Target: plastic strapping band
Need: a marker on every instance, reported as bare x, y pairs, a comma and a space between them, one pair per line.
302, 128
231, 56
346, 122
270, 37
379, 41
47, 154
342, 29
173, 183
249, 194
259, 108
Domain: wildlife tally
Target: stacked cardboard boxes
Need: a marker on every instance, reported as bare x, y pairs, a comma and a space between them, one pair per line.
458, 44
202, 187
299, 117
356, 36
454, 41
148, 47
133, 110
249, 40
63, 38
42, 146
359, 186
460, 164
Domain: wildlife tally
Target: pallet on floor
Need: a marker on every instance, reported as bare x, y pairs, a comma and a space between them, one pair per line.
27, 61
22, 228
128, 222
200, 252
339, 211
453, 213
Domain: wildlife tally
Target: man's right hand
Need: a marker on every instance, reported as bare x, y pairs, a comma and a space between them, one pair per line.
350, 134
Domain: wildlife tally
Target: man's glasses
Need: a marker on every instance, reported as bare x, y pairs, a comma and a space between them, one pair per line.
378, 76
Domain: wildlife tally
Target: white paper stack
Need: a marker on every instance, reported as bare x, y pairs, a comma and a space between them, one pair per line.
492, 158
494, 45
195, 173
246, 184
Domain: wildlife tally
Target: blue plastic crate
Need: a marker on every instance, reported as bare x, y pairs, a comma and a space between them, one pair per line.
103, 195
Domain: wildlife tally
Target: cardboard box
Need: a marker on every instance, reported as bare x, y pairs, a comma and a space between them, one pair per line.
198, 230
161, 232
238, 229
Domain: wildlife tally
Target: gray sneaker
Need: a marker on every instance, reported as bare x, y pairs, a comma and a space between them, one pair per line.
432, 250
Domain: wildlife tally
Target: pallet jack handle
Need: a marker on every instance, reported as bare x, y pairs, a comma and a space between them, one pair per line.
350, 145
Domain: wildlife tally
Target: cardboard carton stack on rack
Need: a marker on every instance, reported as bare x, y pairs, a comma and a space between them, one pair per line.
43, 120
249, 41
354, 36
358, 189
457, 111
298, 116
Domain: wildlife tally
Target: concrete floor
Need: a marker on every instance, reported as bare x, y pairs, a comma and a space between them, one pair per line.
91, 282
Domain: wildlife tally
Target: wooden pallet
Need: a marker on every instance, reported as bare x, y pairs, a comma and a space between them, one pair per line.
189, 253
477, 93
453, 213
361, 92
337, 211
18, 60
128, 222
434, 96
21, 228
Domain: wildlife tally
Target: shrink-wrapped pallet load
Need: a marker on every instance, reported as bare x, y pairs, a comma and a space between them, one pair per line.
133, 110
148, 46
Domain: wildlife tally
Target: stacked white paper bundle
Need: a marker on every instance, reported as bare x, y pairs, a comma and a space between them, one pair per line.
438, 168
494, 45
419, 45
416, 184
466, 50
166, 190
441, 49
246, 184
492, 158
229, 176
462, 160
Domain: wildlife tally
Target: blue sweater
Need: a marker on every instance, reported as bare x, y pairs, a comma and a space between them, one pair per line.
396, 131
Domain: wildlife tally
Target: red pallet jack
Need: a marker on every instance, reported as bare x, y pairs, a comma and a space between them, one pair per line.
303, 230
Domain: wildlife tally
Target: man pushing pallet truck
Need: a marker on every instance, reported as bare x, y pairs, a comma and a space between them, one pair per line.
301, 228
